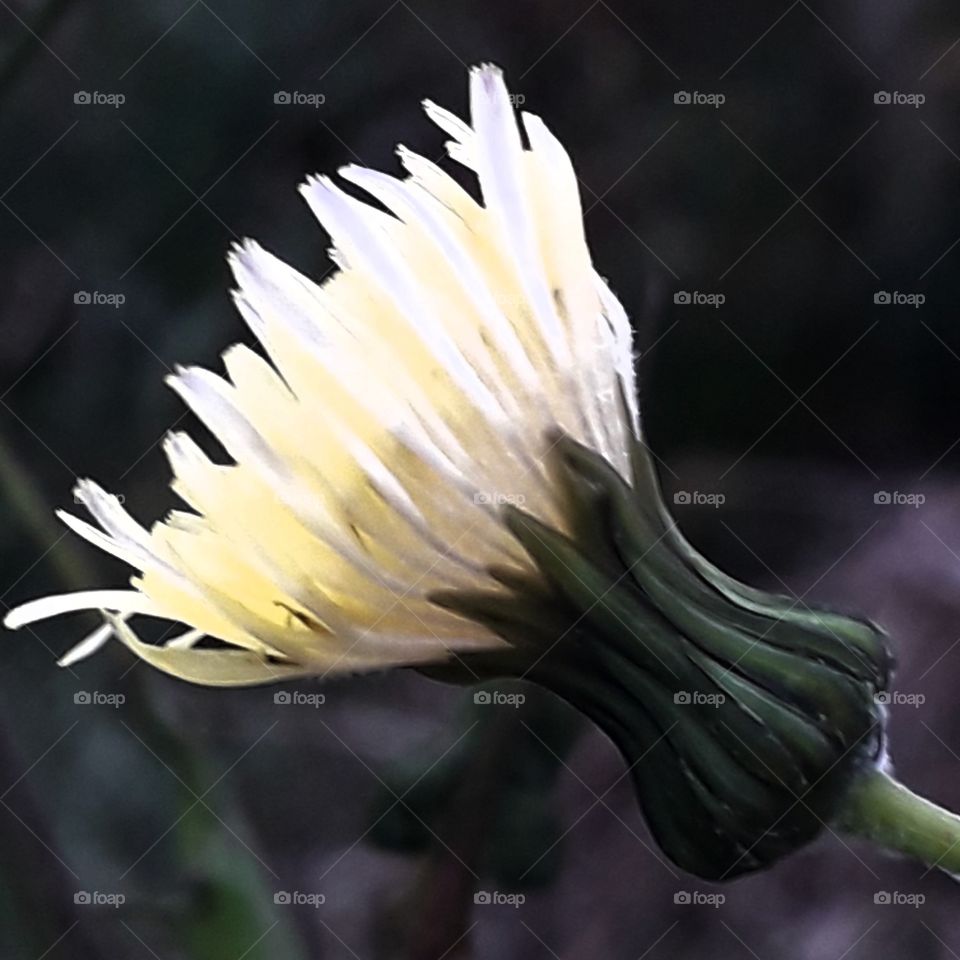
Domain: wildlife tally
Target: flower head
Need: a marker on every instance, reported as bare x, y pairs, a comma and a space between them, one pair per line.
400, 405
436, 461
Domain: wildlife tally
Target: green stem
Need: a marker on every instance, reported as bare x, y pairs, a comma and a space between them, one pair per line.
881, 810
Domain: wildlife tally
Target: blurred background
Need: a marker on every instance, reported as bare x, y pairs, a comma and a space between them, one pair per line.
774, 194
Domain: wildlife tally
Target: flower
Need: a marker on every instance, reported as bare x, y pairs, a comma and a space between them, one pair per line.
441, 466
405, 401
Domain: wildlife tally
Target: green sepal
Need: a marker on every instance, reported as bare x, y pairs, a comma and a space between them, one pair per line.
742, 715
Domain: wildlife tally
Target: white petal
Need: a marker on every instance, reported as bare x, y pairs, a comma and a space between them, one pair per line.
347, 222
500, 168
408, 203
462, 148
124, 601
217, 668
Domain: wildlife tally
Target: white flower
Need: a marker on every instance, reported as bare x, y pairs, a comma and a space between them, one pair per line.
402, 403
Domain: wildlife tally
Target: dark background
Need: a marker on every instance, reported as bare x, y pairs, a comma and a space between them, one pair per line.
797, 400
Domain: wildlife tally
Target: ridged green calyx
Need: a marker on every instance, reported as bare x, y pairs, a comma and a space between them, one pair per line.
743, 716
